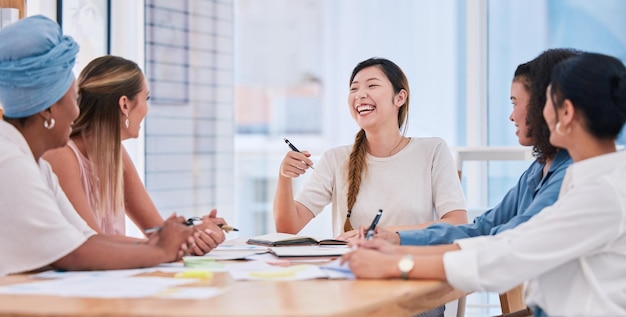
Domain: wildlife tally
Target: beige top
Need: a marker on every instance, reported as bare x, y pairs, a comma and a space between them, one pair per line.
113, 220
416, 185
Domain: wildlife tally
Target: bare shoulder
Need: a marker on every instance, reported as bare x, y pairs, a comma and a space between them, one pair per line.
61, 158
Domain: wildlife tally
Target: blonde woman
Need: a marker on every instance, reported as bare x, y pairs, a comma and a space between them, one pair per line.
413, 180
94, 169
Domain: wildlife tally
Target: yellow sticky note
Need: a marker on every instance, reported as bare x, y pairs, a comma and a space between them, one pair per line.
200, 262
194, 274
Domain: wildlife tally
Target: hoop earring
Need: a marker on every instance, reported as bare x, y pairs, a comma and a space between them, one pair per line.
127, 122
49, 125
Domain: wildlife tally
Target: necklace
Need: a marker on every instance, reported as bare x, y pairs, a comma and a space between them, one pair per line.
392, 151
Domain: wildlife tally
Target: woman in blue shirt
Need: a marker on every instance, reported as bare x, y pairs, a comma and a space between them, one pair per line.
538, 187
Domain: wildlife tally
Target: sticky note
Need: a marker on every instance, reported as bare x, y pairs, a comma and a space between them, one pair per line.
195, 274
202, 263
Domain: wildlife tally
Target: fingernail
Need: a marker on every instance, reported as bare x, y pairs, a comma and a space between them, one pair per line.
207, 231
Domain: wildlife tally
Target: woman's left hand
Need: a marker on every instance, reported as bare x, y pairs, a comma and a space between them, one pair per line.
208, 234
351, 235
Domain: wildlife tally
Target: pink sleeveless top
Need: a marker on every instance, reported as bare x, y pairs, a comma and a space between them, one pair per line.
113, 221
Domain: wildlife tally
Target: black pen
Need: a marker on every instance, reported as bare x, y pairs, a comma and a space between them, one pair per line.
370, 232
191, 222
294, 148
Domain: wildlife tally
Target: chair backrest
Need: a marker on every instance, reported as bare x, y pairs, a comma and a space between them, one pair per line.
20, 5
511, 302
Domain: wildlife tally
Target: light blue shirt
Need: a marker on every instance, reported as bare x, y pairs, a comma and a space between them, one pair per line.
530, 195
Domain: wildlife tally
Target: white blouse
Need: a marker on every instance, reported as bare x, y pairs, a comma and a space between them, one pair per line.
573, 253
38, 223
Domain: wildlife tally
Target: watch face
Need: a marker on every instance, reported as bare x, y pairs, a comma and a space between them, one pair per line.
406, 264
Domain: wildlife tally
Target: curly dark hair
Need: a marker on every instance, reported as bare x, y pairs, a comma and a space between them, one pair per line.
535, 76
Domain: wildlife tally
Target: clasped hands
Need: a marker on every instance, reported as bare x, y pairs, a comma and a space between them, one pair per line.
202, 236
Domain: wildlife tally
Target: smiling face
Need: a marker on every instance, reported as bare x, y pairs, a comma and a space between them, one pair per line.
372, 100
520, 98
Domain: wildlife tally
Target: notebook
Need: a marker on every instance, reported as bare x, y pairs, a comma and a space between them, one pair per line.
287, 239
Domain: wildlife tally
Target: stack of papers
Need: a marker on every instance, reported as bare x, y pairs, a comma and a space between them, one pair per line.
310, 251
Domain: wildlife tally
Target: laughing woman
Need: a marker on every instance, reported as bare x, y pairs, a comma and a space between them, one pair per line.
413, 180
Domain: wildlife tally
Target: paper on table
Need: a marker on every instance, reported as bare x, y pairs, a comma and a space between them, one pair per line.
240, 247
261, 271
336, 270
163, 267
98, 286
310, 251
232, 255
105, 273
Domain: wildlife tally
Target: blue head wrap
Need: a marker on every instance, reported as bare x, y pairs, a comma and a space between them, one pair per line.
36, 62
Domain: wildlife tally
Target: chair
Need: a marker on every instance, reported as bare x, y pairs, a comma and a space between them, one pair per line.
512, 301
20, 5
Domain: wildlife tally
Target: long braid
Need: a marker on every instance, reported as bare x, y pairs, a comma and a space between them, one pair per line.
356, 167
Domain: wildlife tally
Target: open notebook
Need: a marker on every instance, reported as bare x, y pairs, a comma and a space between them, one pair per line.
286, 239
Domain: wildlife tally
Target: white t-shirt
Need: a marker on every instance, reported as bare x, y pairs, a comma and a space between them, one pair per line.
38, 223
416, 185
573, 253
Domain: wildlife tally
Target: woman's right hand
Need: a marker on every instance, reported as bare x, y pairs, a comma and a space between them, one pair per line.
295, 164
378, 245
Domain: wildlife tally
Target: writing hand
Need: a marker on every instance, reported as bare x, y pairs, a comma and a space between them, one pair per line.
378, 245
371, 264
351, 235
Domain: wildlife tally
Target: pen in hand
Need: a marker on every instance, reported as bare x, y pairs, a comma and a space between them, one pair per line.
192, 221
371, 230
227, 228
294, 148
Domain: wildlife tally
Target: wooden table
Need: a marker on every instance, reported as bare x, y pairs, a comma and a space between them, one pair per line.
248, 298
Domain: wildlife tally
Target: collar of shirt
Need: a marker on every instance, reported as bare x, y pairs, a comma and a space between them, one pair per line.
584, 171
14, 136
535, 180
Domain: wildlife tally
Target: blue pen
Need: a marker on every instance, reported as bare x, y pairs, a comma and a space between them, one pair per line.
370, 232
294, 148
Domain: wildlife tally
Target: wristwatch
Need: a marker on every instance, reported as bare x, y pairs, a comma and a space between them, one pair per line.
406, 265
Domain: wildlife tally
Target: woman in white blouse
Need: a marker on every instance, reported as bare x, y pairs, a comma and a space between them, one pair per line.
573, 253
